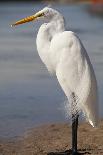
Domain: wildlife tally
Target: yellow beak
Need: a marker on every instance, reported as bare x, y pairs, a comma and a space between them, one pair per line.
28, 19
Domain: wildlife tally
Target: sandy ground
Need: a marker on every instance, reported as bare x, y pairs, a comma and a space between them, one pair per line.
55, 138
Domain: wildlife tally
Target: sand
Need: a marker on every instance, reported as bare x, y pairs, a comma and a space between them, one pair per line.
55, 138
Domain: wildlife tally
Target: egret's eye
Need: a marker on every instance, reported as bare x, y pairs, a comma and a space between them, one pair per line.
41, 14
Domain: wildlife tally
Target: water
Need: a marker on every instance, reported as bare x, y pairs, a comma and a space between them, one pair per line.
28, 95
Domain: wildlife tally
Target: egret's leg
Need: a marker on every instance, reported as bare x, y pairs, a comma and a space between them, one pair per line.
74, 139
74, 134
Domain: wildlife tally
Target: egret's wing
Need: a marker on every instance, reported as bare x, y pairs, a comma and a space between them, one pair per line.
75, 74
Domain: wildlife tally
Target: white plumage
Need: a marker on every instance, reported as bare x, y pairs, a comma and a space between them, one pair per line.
65, 56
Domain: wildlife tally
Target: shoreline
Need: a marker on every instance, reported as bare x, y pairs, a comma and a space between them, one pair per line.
53, 138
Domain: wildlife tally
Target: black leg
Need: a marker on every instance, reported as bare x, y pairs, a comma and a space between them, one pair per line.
74, 139
74, 134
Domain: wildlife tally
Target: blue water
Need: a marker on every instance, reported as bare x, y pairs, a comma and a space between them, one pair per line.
29, 96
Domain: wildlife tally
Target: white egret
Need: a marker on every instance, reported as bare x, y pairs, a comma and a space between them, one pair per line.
65, 56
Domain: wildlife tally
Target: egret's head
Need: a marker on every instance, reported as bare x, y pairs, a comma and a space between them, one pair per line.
46, 14
49, 13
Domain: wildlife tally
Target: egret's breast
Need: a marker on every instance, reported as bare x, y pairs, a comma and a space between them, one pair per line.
60, 43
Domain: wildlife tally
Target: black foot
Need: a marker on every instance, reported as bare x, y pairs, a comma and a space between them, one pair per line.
75, 153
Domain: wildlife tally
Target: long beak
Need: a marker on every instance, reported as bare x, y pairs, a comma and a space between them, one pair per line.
27, 19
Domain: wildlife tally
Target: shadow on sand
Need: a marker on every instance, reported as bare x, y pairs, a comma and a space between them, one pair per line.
69, 152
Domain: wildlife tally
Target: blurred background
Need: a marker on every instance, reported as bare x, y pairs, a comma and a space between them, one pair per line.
29, 96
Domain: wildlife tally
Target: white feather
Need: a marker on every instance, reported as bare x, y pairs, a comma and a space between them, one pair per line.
64, 55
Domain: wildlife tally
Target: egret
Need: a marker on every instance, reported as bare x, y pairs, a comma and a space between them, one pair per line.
65, 56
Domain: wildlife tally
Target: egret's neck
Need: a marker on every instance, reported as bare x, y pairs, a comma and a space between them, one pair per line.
46, 32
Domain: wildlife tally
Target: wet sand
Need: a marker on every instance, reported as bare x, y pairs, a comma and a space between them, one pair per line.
55, 138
